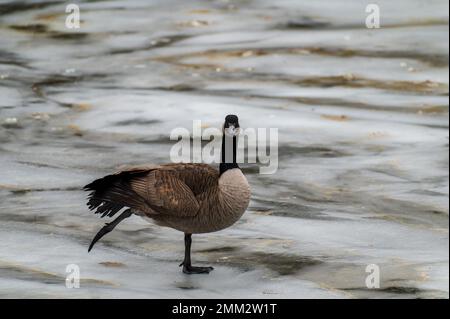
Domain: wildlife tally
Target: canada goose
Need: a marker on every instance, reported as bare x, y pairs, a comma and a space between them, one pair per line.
192, 198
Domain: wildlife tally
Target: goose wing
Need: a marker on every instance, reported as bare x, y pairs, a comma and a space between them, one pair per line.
200, 178
174, 189
167, 189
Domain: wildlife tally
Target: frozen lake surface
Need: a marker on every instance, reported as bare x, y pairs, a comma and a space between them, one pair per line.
363, 121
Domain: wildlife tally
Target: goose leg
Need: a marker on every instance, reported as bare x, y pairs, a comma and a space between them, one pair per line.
109, 227
187, 267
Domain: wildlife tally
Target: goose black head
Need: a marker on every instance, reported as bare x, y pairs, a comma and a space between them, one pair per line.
231, 126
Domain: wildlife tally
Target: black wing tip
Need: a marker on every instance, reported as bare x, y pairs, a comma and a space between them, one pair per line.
111, 193
96, 188
104, 182
95, 185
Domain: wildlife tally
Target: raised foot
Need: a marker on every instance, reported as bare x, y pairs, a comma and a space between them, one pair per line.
190, 270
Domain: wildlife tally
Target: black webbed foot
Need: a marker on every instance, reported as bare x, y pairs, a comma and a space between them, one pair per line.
187, 267
190, 270
109, 227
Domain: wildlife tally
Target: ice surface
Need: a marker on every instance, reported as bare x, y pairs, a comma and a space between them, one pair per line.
363, 150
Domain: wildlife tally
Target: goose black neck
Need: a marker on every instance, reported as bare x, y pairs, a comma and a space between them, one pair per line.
228, 159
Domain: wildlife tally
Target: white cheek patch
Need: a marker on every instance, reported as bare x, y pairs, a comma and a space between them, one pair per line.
232, 131
229, 131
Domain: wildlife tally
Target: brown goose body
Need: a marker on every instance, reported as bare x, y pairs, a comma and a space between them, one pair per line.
192, 198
